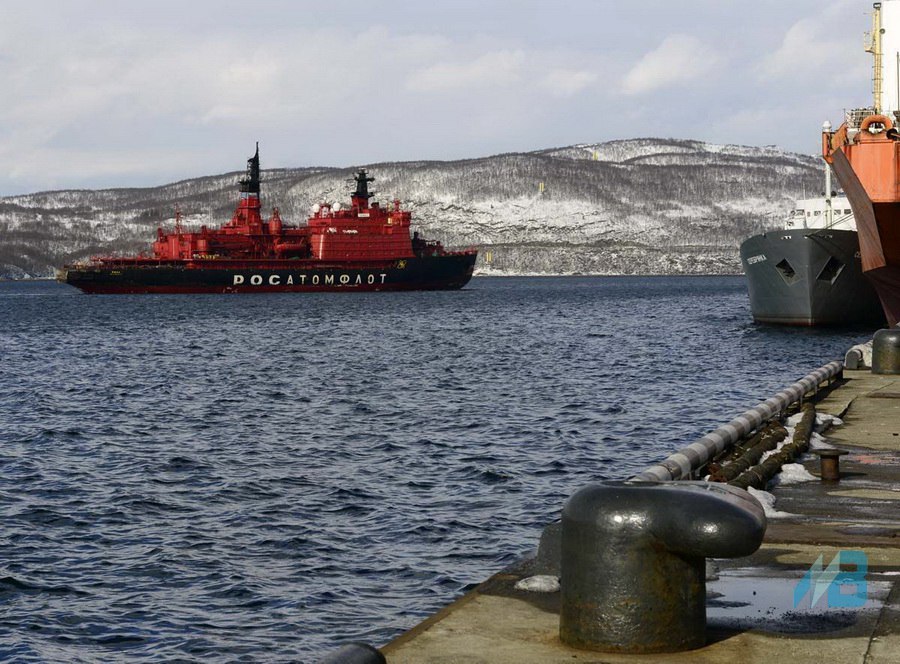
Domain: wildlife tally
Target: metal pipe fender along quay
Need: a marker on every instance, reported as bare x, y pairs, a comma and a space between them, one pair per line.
633, 568
686, 461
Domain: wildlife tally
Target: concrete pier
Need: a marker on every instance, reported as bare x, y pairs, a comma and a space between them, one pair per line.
751, 612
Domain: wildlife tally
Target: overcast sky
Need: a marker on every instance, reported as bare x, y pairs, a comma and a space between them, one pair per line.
131, 93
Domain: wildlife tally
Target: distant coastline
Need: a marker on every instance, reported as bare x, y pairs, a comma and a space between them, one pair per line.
637, 206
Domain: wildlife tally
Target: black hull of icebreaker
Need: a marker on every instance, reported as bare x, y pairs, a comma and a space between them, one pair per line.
808, 277
445, 272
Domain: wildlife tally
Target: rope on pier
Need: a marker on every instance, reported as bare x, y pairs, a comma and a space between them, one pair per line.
758, 476
747, 454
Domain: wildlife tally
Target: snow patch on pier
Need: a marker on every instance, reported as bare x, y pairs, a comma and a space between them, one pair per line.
767, 500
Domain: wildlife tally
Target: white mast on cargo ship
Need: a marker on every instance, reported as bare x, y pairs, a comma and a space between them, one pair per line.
829, 207
873, 46
884, 45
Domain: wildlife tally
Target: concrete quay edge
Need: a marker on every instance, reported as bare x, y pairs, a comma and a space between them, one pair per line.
750, 611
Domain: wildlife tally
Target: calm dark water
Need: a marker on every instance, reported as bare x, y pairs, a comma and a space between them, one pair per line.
260, 478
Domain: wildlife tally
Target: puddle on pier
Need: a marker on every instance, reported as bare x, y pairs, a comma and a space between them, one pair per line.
755, 599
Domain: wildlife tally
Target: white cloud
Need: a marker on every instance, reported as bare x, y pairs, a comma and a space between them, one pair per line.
565, 82
498, 68
818, 46
112, 91
678, 59
502, 70
104, 93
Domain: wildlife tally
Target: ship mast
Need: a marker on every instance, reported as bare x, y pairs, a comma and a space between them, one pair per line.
246, 216
873, 46
250, 183
829, 207
360, 197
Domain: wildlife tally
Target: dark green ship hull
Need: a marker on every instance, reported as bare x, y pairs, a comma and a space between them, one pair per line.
808, 277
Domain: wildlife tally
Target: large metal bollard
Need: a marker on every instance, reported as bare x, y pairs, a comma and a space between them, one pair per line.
886, 351
354, 653
633, 561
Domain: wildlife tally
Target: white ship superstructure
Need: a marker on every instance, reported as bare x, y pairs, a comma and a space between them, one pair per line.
813, 213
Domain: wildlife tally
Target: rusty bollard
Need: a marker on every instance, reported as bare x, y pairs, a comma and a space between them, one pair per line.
633, 561
830, 464
886, 351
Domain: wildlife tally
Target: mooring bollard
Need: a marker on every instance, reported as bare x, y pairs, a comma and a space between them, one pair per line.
354, 653
886, 351
633, 561
859, 357
830, 464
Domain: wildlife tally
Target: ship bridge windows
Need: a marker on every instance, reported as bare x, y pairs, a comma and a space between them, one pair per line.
786, 270
831, 271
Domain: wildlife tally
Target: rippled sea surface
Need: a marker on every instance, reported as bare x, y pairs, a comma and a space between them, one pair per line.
261, 478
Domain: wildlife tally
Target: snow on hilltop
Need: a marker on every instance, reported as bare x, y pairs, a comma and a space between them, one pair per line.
639, 206
648, 150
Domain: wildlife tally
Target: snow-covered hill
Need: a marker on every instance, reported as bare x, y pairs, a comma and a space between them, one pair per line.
640, 206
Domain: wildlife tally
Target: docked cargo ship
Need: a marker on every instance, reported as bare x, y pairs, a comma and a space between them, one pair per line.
865, 155
810, 273
363, 247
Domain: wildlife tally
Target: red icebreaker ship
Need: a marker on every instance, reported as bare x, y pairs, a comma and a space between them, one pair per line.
365, 247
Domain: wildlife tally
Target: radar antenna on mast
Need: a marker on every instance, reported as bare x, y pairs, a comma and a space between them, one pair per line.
250, 183
362, 181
